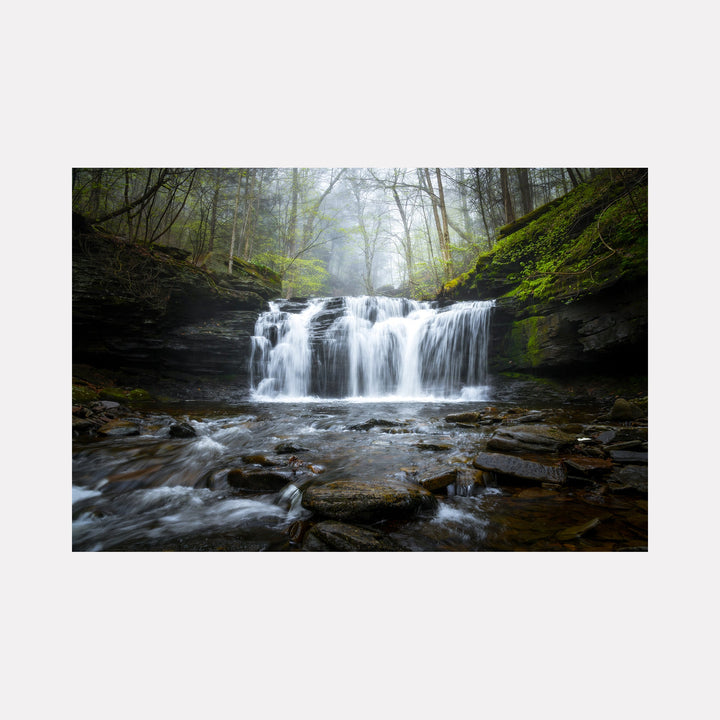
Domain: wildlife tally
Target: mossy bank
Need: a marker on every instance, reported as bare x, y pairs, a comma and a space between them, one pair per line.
570, 282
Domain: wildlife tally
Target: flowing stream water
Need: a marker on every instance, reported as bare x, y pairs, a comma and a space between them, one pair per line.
360, 388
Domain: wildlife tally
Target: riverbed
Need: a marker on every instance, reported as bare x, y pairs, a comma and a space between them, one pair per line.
149, 491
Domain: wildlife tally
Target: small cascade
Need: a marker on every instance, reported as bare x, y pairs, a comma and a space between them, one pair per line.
371, 347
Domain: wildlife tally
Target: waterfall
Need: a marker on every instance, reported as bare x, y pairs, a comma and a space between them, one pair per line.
371, 347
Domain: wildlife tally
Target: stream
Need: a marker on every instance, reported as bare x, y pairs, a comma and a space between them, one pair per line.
152, 491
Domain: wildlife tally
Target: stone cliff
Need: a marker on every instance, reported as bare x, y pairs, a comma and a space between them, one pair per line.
152, 314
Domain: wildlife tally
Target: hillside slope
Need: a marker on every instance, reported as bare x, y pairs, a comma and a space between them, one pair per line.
570, 281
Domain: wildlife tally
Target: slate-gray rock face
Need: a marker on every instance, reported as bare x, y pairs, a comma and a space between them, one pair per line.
336, 536
530, 438
149, 310
367, 501
515, 467
607, 331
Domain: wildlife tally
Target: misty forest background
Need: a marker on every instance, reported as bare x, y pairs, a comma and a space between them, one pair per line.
325, 231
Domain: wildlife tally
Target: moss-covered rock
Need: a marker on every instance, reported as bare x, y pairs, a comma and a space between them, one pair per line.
124, 395
83, 393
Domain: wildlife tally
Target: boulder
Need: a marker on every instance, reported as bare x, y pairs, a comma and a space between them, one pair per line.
530, 438
182, 430
515, 467
258, 481
629, 480
439, 482
624, 410
367, 501
336, 536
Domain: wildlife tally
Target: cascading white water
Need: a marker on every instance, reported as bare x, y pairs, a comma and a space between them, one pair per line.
371, 347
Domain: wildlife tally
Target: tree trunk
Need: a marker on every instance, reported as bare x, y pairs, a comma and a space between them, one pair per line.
407, 245
478, 185
213, 210
507, 198
446, 233
292, 222
234, 225
526, 194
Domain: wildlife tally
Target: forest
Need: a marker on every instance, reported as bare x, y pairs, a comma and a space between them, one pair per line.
324, 231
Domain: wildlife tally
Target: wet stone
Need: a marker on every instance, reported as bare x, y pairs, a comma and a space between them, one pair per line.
336, 536
433, 447
119, 428
624, 410
466, 417
587, 466
577, 531
629, 480
367, 501
289, 449
439, 482
258, 481
628, 456
182, 430
530, 438
515, 467
257, 459
375, 422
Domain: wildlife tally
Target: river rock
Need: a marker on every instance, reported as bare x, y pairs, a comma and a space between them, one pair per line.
374, 422
289, 449
433, 447
367, 501
182, 430
587, 466
336, 536
530, 438
257, 481
515, 467
629, 480
624, 410
466, 417
628, 456
439, 482
119, 428
577, 531
82, 425
257, 459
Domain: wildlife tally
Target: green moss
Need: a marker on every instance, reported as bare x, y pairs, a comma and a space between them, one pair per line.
575, 245
122, 395
82, 393
523, 344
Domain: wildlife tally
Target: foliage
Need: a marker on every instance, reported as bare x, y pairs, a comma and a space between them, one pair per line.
351, 230
307, 276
